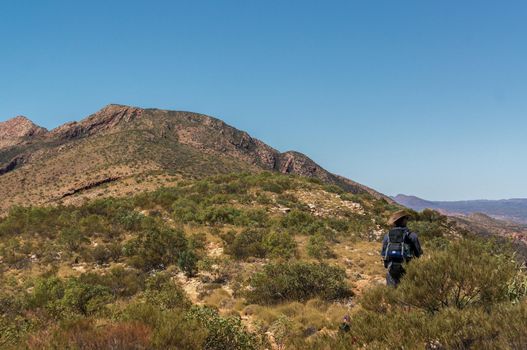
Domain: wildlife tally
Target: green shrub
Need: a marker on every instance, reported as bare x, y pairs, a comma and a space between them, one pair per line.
46, 291
361, 226
465, 273
334, 189
276, 184
224, 214
13, 254
101, 254
318, 248
120, 281
297, 221
297, 281
85, 299
187, 262
165, 293
65, 297
132, 220
253, 218
185, 210
339, 225
223, 332
156, 248
72, 238
248, 243
279, 245
176, 331
92, 224
31, 221
502, 327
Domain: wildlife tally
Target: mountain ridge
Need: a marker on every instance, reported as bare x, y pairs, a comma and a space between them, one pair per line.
120, 142
514, 209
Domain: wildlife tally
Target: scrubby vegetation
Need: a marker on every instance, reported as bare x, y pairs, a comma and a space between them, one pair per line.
233, 258
298, 281
466, 295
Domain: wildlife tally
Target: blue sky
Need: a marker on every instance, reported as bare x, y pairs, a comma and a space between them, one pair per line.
416, 97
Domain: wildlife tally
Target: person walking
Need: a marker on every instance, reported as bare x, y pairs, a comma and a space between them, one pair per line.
399, 246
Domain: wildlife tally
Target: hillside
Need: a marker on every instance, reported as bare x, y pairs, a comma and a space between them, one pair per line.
149, 229
129, 149
231, 226
506, 209
244, 261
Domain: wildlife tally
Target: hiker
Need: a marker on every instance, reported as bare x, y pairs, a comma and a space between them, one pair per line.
399, 246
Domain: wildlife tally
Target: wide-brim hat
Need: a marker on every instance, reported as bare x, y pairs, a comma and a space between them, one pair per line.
398, 215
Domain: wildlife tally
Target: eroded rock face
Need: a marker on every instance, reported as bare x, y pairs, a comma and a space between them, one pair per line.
108, 118
13, 163
17, 130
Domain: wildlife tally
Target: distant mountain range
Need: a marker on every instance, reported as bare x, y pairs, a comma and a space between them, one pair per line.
514, 210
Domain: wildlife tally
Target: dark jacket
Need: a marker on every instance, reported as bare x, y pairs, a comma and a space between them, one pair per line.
411, 240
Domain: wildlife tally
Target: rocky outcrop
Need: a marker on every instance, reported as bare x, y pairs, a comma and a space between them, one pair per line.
110, 118
89, 186
13, 164
18, 130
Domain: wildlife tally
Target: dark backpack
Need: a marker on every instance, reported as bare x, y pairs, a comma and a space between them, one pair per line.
398, 248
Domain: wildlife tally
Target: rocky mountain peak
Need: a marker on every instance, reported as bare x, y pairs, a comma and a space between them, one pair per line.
19, 126
18, 129
109, 117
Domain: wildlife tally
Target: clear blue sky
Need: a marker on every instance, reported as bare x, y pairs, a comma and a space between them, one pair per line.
417, 97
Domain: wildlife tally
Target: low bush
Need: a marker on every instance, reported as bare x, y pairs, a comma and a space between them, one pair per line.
187, 262
223, 214
466, 273
260, 243
223, 332
72, 238
165, 293
156, 248
297, 280
105, 253
120, 281
318, 248
300, 222
279, 245
248, 243
62, 298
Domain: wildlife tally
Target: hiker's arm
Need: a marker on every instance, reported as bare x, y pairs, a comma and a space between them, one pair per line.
384, 245
416, 245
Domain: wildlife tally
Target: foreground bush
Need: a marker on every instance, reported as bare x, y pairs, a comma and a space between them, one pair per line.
503, 328
223, 332
297, 281
466, 273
